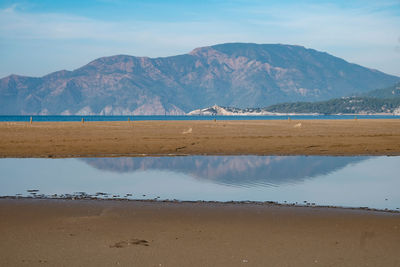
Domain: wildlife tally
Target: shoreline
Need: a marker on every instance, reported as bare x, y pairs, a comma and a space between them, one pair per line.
206, 115
103, 233
89, 231
201, 202
166, 138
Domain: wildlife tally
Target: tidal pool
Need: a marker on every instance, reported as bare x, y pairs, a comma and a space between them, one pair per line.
371, 182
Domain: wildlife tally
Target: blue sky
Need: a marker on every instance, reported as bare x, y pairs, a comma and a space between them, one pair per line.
39, 37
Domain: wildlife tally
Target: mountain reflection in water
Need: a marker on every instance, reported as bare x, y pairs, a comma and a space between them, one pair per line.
232, 170
337, 181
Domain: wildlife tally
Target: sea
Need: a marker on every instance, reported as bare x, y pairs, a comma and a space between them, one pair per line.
16, 118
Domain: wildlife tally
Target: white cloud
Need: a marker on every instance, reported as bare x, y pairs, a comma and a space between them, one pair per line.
331, 25
364, 36
18, 25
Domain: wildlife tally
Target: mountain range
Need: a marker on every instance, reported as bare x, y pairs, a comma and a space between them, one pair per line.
233, 74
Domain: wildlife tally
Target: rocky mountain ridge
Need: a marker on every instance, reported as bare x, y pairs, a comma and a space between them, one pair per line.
234, 74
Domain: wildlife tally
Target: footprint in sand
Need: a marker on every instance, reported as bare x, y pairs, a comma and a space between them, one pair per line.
133, 241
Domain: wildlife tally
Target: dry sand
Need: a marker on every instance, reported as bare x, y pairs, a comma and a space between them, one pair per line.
94, 139
118, 233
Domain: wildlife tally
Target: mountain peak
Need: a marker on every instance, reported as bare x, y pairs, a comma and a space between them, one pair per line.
234, 48
110, 60
231, 74
116, 63
201, 50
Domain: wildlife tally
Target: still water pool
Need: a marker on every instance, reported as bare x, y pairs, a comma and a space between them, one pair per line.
371, 182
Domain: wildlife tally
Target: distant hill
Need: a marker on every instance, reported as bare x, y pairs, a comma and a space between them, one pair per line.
346, 105
388, 92
235, 74
386, 100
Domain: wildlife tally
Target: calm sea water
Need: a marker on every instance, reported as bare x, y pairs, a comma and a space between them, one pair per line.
169, 118
371, 182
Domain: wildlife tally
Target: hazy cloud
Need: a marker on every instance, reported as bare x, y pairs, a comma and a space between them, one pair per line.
364, 35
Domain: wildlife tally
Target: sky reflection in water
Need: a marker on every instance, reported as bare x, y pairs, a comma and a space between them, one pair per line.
339, 181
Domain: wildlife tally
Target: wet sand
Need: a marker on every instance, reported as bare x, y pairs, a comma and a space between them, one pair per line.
120, 233
105, 139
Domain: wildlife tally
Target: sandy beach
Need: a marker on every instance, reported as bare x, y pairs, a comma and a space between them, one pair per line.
105, 139
45, 232
121, 233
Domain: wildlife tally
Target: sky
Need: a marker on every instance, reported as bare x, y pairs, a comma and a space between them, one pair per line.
40, 37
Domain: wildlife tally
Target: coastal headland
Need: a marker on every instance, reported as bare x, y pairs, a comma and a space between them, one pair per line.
147, 138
